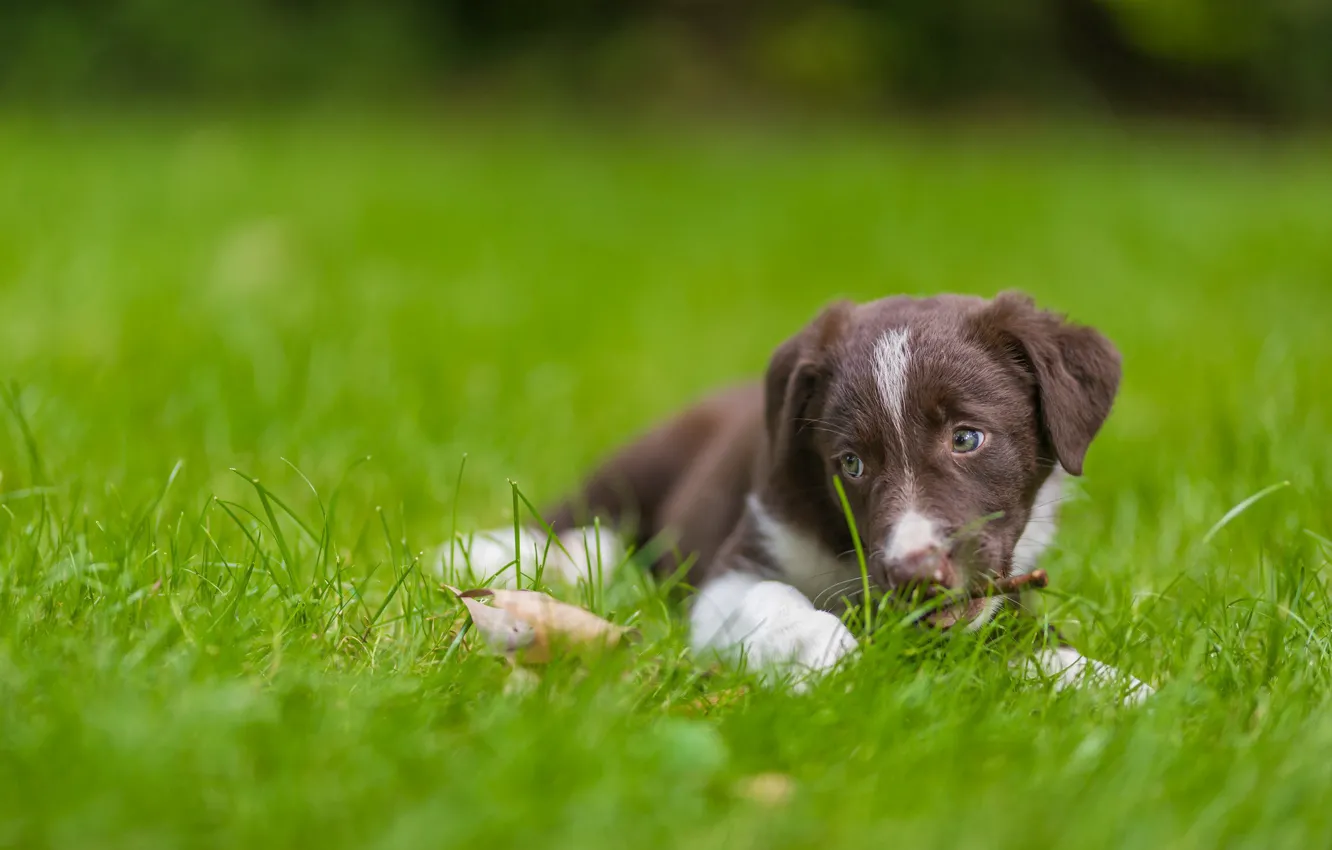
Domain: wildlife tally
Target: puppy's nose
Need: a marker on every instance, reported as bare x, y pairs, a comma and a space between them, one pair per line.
916, 553
926, 565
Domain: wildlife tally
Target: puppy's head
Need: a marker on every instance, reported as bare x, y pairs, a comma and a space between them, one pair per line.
942, 417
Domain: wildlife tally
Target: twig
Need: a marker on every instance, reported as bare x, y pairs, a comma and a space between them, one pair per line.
1035, 580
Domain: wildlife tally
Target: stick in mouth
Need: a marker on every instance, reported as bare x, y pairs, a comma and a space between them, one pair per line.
1035, 580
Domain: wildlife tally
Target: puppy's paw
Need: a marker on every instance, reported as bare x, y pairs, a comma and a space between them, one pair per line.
790, 632
1068, 668
771, 625
823, 642
589, 554
584, 554
488, 557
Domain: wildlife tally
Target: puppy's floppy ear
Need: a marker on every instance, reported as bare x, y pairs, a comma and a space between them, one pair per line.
795, 376
1076, 370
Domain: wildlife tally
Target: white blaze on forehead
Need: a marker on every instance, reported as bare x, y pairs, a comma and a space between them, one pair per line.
892, 355
914, 534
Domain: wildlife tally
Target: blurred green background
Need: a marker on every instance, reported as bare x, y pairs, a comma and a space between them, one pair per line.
1266, 59
280, 237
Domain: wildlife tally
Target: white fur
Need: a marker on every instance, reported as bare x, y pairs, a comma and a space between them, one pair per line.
804, 561
892, 356
1040, 530
1068, 668
913, 534
987, 612
487, 557
1035, 539
773, 626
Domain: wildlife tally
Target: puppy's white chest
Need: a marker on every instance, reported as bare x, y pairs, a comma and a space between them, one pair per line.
806, 564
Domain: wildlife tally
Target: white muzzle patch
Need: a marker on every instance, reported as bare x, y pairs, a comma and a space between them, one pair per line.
914, 535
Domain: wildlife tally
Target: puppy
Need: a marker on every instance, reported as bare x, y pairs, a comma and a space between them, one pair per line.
949, 421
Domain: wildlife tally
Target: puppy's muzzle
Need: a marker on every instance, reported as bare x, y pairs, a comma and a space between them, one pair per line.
930, 567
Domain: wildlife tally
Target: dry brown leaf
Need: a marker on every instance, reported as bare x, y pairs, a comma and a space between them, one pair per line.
767, 789
534, 625
498, 628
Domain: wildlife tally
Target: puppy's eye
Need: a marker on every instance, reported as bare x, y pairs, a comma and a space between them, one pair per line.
852, 465
967, 440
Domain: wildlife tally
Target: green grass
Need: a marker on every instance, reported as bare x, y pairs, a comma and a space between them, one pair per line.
181, 663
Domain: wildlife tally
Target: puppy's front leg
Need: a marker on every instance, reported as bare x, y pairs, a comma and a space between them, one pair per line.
770, 623
1068, 668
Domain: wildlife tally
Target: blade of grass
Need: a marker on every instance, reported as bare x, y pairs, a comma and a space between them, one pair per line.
517, 539
333, 500
12, 395
860, 554
388, 539
276, 527
1241, 508
387, 599
551, 537
267, 561
234, 603
453, 521
457, 641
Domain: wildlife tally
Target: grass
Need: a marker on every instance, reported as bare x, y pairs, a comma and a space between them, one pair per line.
190, 656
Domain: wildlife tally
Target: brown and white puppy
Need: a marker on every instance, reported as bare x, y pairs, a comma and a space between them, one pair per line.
950, 422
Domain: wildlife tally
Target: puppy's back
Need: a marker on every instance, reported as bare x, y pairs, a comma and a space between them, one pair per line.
681, 486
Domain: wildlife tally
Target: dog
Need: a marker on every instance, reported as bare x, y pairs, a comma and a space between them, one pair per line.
951, 424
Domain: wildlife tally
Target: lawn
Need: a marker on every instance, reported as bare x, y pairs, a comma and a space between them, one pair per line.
343, 309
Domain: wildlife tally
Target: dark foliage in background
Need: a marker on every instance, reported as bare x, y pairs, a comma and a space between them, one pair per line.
1272, 57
